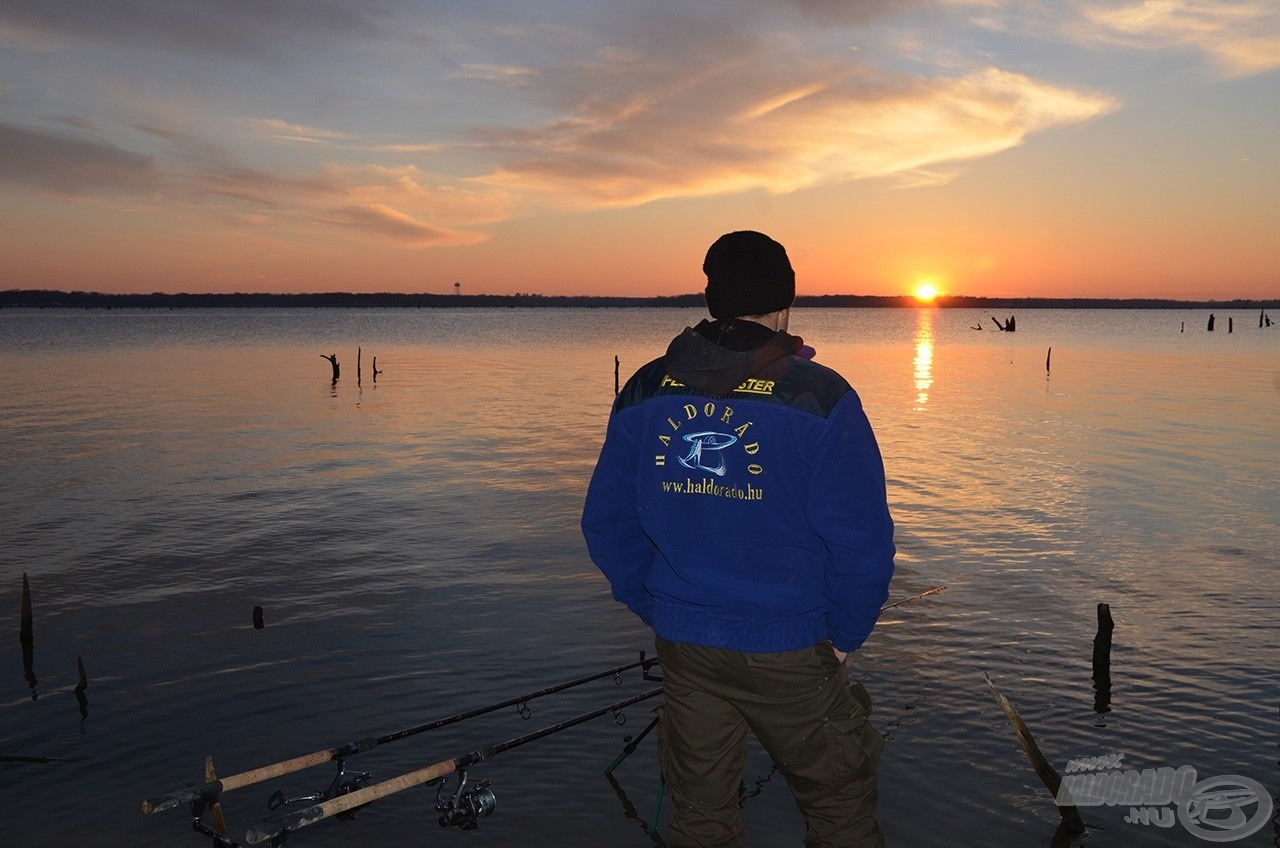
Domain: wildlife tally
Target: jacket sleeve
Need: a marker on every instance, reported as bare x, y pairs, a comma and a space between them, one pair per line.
616, 542
849, 510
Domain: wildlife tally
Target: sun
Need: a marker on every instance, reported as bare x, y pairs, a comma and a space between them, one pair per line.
926, 292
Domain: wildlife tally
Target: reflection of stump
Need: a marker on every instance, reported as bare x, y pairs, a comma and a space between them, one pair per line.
26, 635
1102, 661
333, 360
80, 687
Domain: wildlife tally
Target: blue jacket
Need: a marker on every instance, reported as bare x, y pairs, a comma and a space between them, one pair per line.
739, 498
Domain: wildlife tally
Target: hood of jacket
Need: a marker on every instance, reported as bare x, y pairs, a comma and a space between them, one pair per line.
717, 356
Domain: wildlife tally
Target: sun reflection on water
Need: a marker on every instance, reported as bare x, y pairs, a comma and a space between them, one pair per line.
924, 356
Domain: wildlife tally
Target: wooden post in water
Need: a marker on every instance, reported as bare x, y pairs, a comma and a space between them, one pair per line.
1102, 660
359, 370
1069, 815
24, 628
616, 364
1047, 357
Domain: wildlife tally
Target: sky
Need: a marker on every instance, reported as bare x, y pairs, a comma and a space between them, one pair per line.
1000, 148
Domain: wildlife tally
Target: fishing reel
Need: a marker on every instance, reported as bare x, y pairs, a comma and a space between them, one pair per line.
341, 784
468, 805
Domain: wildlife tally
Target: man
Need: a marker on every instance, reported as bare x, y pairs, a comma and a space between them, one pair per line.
738, 507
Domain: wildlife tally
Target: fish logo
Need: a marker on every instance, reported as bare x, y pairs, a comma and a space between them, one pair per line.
703, 443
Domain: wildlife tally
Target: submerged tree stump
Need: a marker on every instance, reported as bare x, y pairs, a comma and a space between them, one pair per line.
1069, 815
333, 360
24, 627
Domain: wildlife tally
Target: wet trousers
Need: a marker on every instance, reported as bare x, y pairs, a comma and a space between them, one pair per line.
801, 707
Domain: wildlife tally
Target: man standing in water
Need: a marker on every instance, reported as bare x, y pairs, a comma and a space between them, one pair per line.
738, 507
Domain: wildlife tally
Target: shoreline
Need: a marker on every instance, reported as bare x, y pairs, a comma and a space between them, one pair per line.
52, 299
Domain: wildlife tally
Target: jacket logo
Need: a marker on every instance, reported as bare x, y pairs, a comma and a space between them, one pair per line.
706, 447
708, 441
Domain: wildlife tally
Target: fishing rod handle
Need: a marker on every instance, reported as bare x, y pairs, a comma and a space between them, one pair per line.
247, 778
266, 830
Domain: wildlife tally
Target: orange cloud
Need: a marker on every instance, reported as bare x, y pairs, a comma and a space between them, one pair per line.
1241, 38
764, 114
394, 227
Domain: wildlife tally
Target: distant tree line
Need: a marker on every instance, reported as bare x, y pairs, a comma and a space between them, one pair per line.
43, 298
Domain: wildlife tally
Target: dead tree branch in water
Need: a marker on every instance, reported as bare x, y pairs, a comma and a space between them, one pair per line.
1069, 815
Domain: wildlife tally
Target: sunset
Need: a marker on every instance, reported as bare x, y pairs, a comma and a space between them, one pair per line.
848, 423
1000, 149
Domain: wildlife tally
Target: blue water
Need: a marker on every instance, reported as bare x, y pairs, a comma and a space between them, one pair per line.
413, 543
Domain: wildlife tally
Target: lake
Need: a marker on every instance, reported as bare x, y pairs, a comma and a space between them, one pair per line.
413, 544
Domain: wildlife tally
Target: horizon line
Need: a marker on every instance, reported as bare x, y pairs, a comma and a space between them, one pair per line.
58, 298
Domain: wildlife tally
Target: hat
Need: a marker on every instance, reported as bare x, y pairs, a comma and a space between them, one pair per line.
748, 273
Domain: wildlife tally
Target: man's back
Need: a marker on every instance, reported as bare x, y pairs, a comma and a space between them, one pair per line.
732, 490
738, 507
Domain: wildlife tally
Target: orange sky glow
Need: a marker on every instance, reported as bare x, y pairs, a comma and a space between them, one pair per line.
1083, 149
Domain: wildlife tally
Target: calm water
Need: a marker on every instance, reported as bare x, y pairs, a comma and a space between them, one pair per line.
414, 544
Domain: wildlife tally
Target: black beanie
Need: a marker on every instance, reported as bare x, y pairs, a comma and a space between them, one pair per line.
748, 273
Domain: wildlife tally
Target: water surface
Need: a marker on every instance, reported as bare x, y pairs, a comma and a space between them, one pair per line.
414, 546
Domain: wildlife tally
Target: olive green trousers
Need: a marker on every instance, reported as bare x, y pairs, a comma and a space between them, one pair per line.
810, 720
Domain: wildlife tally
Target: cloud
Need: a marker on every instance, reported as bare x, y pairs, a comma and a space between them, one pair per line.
629, 108
76, 122
197, 178
394, 226
66, 166
765, 113
237, 28
276, 129
1241, 37
846, 13
285, 131
506, 74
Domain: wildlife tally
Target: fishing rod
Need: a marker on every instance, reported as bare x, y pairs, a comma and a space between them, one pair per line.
213, 789
463, 809
467, 805
925, 593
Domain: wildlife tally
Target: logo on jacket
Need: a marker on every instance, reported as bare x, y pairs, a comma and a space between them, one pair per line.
701, 443
706, 447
